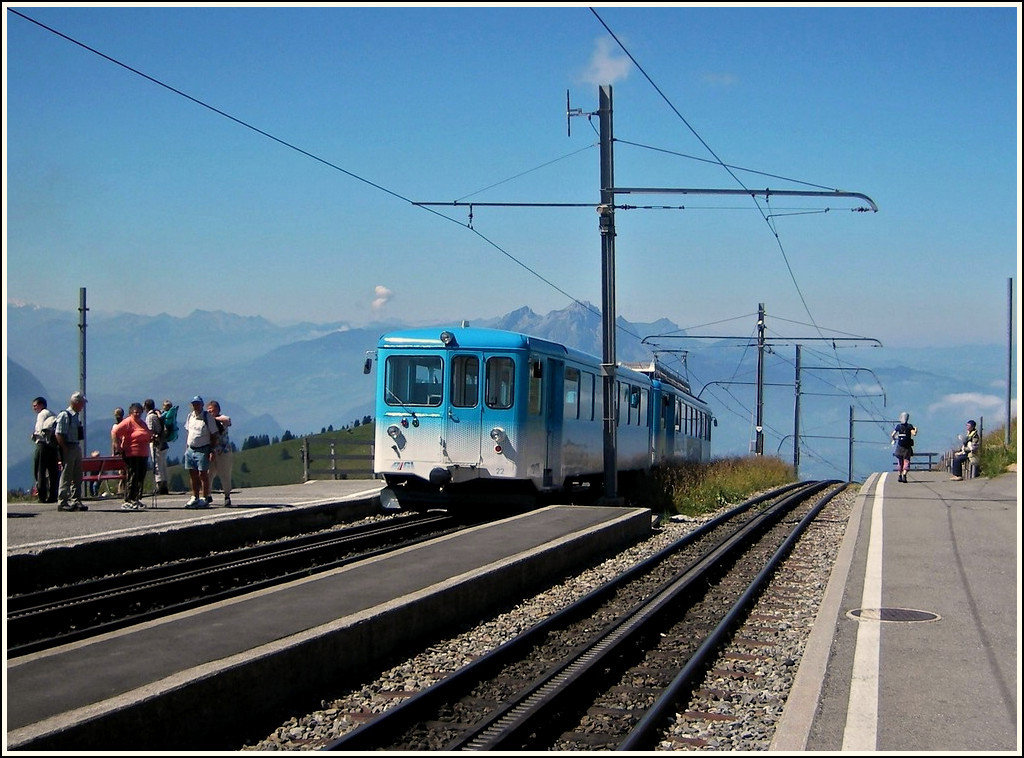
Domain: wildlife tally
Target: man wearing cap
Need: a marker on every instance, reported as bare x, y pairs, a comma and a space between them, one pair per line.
68, 430
200, 436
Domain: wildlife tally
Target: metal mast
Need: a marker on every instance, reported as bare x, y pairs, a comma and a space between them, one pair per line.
606, 212
81, 355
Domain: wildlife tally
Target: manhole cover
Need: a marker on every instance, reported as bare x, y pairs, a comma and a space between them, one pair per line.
891, 614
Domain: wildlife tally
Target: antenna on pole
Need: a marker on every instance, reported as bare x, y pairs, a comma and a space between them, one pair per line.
569, 113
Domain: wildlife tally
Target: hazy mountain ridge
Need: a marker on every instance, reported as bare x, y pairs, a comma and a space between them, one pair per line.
304, 377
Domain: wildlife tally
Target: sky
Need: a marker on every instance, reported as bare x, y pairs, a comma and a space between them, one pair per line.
285, 162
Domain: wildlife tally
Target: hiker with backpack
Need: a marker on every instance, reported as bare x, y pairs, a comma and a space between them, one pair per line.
158, 448
69, 432
223, 456
200, 437
903, 438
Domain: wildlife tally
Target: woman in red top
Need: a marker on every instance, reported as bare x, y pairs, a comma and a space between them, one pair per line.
132, 439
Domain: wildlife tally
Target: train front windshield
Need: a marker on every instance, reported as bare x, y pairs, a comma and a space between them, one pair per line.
413, 380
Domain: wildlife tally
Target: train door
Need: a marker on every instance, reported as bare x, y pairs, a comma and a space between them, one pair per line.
661, 427
461, 427
554, 417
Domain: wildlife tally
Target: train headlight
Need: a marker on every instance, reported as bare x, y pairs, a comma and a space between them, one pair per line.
394, 432
499, 437
447, 339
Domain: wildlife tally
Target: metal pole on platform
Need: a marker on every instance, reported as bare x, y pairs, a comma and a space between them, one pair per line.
1009, 357
81, 356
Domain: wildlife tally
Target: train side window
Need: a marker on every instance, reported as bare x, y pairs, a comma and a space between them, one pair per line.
571, 408
643, 405
631, 396
412, 380
500, 383
587, 396
465, 381
536, 399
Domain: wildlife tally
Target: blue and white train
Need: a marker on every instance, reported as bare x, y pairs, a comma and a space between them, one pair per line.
465, 414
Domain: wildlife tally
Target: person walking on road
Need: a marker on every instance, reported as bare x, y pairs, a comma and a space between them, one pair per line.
68, 430
200, 437
903, 438
46, 458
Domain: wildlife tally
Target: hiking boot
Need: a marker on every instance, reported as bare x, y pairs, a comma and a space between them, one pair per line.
192, 502
65, 507
139, 505
128, 505
227, 501
80, 506
203, 502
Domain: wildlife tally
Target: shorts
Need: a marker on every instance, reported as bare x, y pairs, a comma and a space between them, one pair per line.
197, 460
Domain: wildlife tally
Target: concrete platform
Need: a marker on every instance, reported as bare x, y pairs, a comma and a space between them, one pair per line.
916, 646
46, 546
213, 678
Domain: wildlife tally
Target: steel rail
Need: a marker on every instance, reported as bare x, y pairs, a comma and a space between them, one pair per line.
162, 590
651, 723
384, 728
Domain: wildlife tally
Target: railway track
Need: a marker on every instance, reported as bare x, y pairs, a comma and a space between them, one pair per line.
606, 672
46, 618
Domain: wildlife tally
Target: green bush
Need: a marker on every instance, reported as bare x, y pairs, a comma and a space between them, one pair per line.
996, 456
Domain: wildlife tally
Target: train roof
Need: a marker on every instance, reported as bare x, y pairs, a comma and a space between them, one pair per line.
475, 338
480, 338
657, 371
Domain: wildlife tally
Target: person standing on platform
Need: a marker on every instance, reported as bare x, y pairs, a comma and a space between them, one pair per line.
68, 430
118, 418
158, 448
132, 439
46, 459
200, 437
222, 459
903, 438
968, 451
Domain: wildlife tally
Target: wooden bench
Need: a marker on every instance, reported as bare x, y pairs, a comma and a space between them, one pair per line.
103, 468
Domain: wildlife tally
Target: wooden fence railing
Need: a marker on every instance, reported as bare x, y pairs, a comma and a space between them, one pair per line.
916, 464
337, 459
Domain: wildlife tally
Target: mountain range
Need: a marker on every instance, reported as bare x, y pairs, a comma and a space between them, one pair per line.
305, 377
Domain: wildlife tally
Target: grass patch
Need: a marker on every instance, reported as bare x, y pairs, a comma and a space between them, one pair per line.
693, 489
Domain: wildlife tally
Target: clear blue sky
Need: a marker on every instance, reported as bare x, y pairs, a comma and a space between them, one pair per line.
156, 203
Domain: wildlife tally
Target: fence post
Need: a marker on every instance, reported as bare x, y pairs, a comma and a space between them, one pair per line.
305, 459
334, 463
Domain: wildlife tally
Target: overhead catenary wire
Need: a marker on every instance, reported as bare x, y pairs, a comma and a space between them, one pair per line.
399, 196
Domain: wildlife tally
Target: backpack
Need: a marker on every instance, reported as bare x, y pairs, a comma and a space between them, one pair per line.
216, 421
904, 438
170, 420
48, 432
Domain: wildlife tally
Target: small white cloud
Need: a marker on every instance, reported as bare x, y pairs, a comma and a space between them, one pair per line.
719, 79
968, 403
605, 67
381, 295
